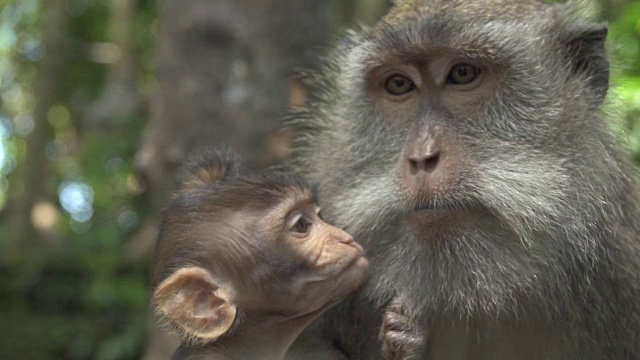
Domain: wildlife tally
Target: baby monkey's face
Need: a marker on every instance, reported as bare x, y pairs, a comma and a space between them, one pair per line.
329, 250
251, 247
320, 263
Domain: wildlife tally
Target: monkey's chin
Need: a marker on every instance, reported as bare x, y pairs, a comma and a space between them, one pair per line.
442, 219
354, 274
361, 267
350, 278
442, 204
357, 268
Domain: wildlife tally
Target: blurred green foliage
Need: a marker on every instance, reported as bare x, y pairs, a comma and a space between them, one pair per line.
625, 45
80, 295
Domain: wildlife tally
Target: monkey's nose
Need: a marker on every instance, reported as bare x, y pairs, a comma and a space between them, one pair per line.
423, 165
341, 236
346, 239
427, 162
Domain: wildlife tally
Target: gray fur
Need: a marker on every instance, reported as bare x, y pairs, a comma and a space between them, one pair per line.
557, 241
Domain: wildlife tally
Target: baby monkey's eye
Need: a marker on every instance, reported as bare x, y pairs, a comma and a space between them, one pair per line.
463, 74
299, 224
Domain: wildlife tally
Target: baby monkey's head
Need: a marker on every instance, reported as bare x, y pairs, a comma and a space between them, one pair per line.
253, 246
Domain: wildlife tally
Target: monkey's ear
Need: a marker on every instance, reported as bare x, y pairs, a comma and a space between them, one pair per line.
586, 49
192, 300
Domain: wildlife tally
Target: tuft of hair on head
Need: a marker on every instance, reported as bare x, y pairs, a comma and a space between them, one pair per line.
209, 167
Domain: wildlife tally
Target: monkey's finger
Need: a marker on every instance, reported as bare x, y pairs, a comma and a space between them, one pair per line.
402, 341
398, 323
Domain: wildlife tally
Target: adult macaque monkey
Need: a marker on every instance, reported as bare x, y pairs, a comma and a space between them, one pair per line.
244, 263
463, 143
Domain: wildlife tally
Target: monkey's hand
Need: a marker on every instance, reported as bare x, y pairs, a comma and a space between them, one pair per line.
402, 339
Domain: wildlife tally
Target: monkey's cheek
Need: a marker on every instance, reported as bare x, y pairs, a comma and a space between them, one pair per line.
358, 272
362, 265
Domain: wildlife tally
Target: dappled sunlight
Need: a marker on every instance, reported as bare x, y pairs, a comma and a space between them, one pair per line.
2, 153
77, 199
44, 216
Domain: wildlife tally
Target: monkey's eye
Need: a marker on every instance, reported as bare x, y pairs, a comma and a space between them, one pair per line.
398, 84
299, 224
463, 74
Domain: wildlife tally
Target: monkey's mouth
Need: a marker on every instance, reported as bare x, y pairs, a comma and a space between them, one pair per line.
442, 205
355, 261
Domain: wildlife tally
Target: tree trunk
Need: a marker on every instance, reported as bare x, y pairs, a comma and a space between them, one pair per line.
369, 11
224, 77
347, 12
120, 99
34, 166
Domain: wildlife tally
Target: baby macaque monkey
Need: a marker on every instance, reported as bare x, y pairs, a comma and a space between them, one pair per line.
244, 261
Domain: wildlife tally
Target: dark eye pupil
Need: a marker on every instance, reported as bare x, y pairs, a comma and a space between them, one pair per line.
398, 85
463, 74
301, 226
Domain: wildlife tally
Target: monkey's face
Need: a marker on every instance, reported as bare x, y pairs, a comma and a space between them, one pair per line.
334, 264
444, 119
432, 117
423, 99
453, 137
324, 247
313, 264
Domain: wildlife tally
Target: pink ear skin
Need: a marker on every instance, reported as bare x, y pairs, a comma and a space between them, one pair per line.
191, 299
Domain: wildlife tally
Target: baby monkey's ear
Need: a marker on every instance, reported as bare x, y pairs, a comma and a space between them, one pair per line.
192, 300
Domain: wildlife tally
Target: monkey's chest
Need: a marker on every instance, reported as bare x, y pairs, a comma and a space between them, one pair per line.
495, 340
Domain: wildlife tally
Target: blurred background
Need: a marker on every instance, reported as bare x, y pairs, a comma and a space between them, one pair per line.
101, 101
